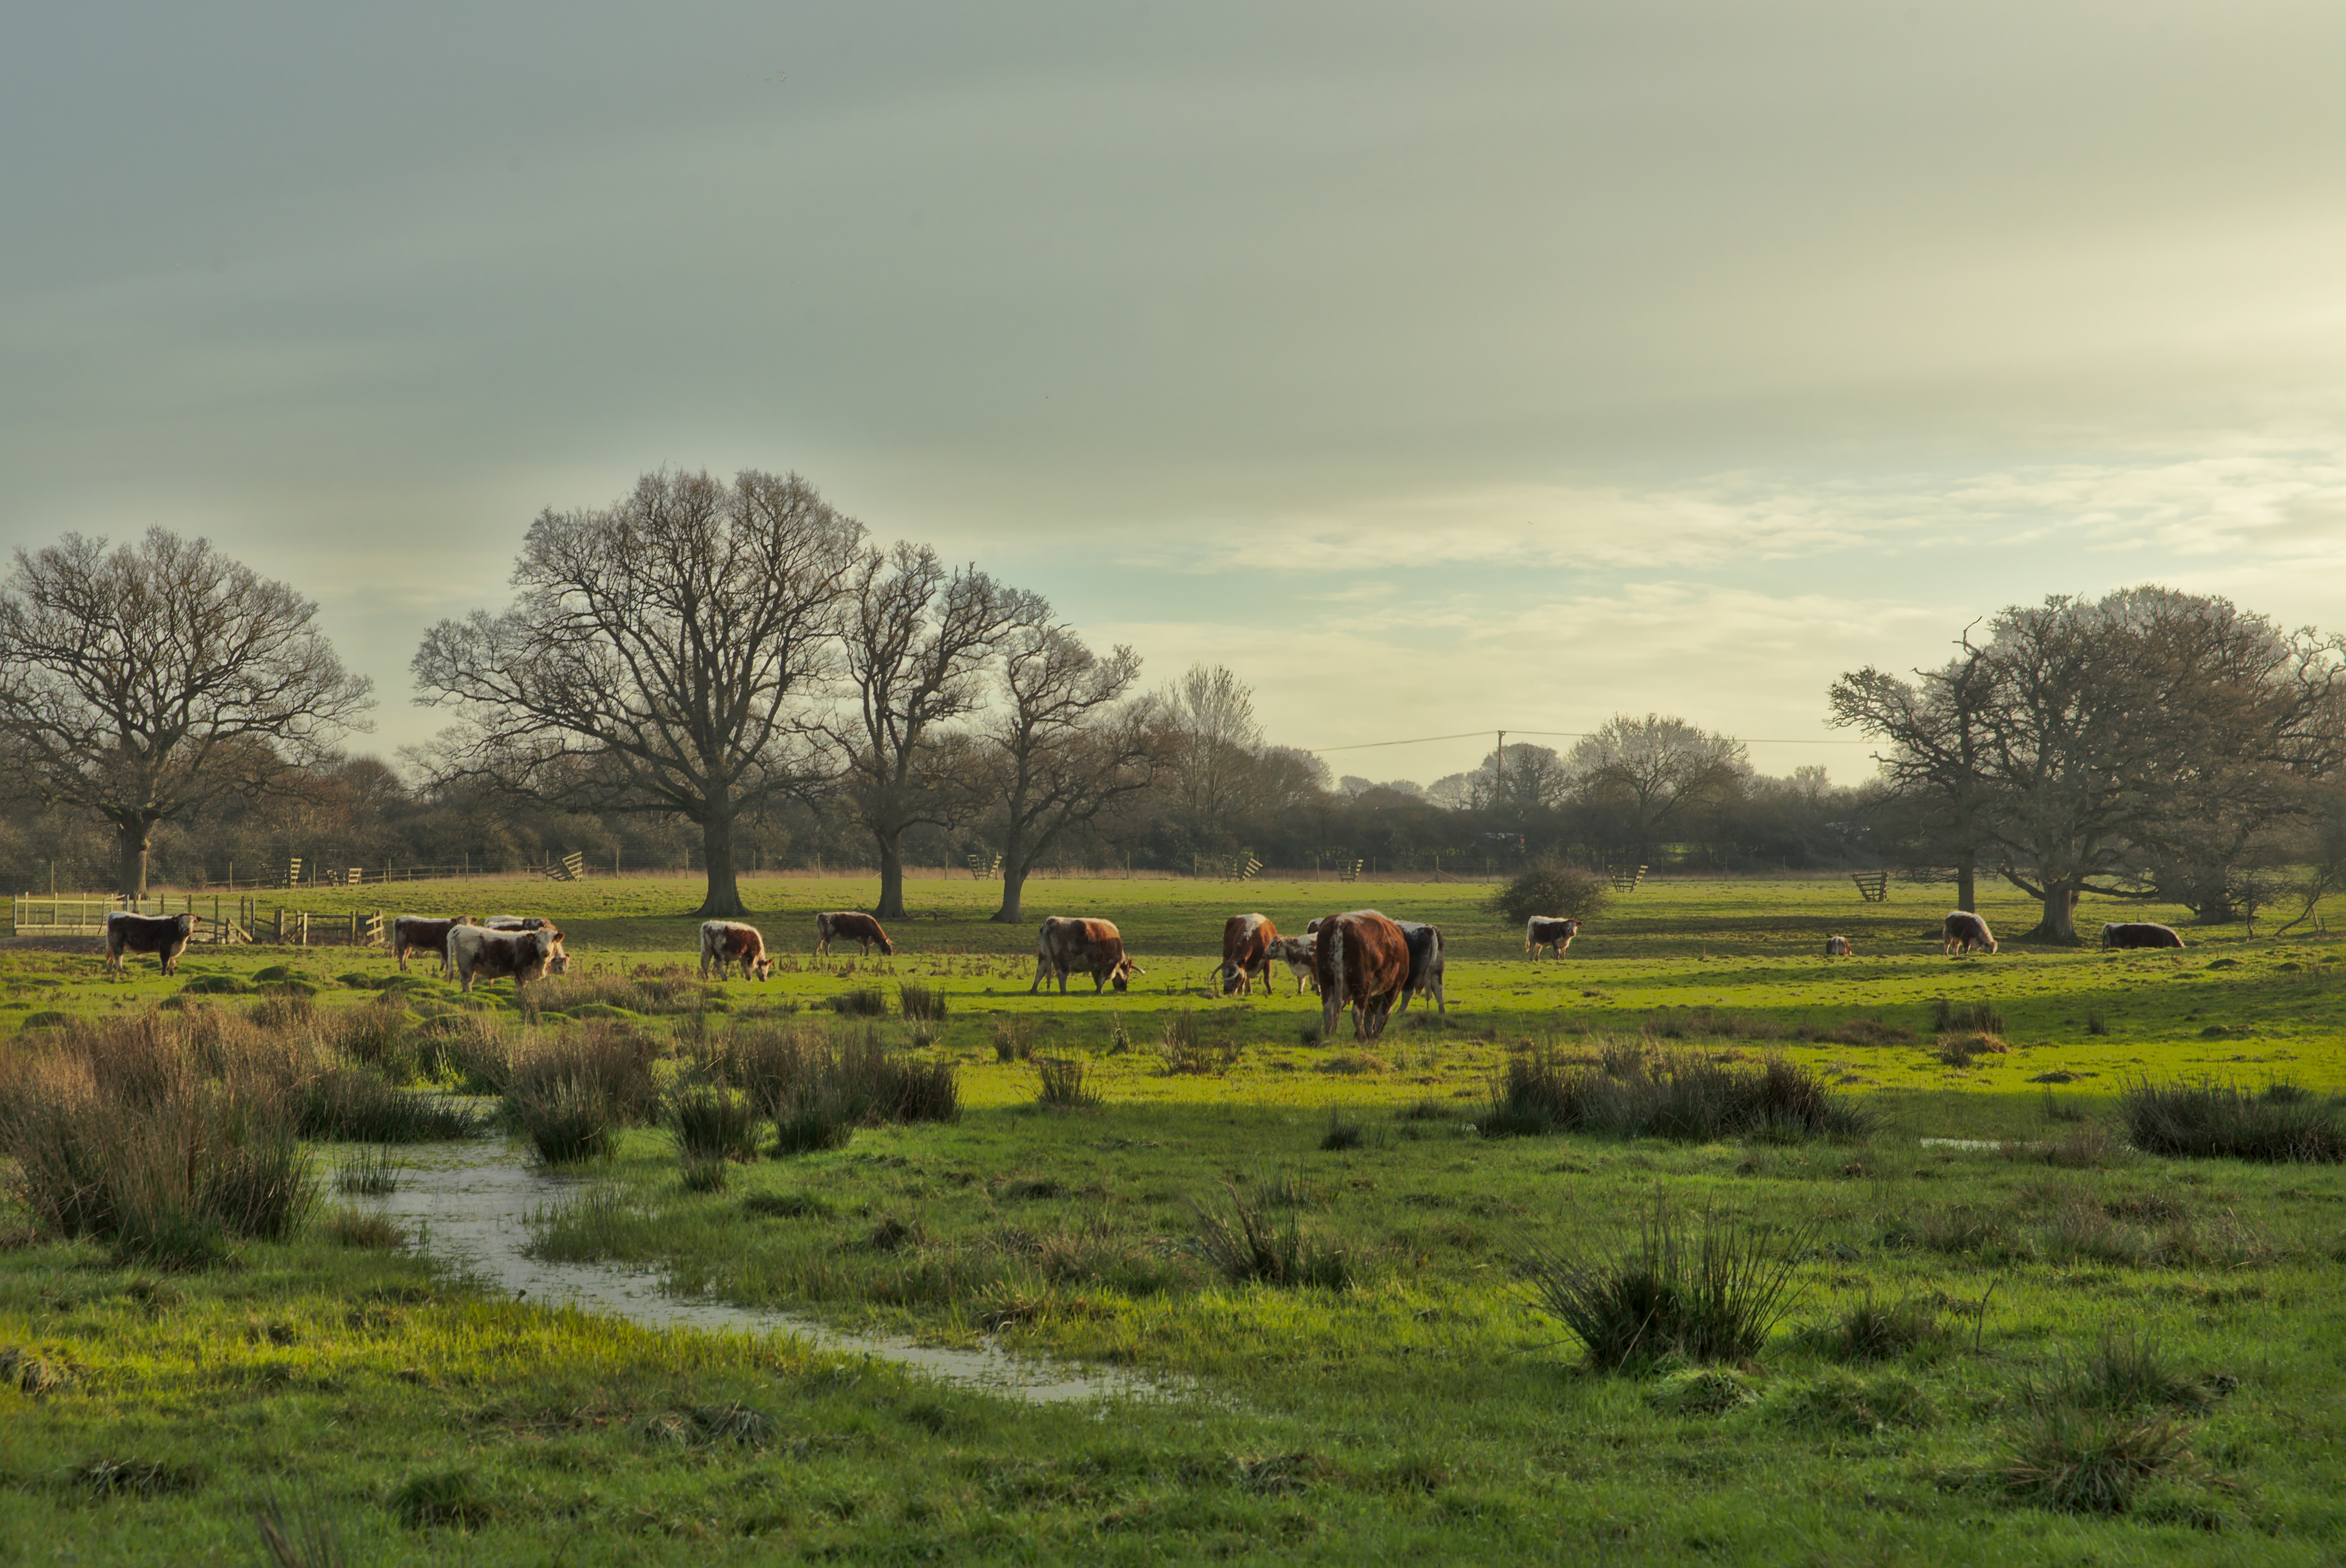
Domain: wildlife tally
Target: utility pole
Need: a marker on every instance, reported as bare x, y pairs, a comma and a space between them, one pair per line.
1499, 768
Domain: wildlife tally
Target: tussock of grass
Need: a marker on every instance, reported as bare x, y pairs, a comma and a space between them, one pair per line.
1344, 1132
1871, 1332
1711, 1293
861, 1001
368, 1171
1977, 1018
1961, 1048
1014, 1039
1060, 1084
711, 1122
1845, 1402
2085, 1461
1242, 1246
2208, 1119
1635, 1093
1183, 1046
924, 1004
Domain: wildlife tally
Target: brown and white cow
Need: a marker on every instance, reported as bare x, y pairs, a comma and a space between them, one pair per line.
1093, 947
2139, 933
1247, 944
1544, 932
476, 952
1363, 962
1301, 956
423, 934
724, 943
1837, 947
1962, 930
847, 925
1425, 964
164, 936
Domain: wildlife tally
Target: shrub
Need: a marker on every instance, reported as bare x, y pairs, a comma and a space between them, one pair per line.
923, 1002
709, 1121
1061, 1085
1709, 1295
1244, 1247
1638, 1094
862, 1001
2210, 1119
1550, 888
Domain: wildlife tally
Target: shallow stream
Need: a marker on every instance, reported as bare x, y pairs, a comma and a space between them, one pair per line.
469, 1202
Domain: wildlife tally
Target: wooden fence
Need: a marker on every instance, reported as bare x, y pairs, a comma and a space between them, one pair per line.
220, 919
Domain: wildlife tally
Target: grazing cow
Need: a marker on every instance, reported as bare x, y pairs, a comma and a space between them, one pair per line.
1555, 935
1093, 947
515, 922
724, 943
1837, 947
423, 934
1962, 931
2139, 933
164, 936
1301, 956
1425, 964
477, 952
1363, 962
846, 925
1247, 944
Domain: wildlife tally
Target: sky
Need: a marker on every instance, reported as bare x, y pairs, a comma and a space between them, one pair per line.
1437, 368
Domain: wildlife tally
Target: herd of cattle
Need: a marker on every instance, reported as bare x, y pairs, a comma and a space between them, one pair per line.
1361, 960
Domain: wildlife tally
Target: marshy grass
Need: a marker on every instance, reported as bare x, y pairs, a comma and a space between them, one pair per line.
2210, 1120
1014, 1039
1246, 1248
1185, 1047
1975, 1018
709, 1121
1870, 1331
861, 1001
371, 1172
922, 1003
572, 1090
1709, 1292
1345, 1131
1634, 1092
1061, 1085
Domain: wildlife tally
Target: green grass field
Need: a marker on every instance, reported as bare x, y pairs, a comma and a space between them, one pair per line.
1413, 1405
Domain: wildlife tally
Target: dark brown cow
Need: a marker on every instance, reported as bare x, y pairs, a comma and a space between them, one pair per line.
2139, 933
1301, 956
1093, 947
725, 942
1247, 944
1837, 947
1364, 961
476, 952
423, 934
1555, 935
1962, 930
164, 936
1425, 964
846, 925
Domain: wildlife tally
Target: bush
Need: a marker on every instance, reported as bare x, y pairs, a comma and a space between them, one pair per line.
1061, 1086
1711, 1295
1635, 1093
2210, 1119
1245, 1247
924, 1004
1550, 888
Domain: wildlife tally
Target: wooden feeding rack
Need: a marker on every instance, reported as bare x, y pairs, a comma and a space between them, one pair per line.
1873, 887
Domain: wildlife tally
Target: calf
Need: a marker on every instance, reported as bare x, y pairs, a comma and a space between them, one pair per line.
724, 943
846, 925
1364, 961
477, 952
423, 934
2139, 933
1545, 932
1301, 956
1094, 947
1247, 944
1962, 930
1837, 947
1425, 964
164, 936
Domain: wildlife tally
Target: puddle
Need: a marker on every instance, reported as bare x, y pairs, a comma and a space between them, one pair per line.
471, 1201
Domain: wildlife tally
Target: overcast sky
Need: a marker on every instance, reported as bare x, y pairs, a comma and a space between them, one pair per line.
1437, 367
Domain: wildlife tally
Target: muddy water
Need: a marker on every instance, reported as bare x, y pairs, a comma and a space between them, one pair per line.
470, 1202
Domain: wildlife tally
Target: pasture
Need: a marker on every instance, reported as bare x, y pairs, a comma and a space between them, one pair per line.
1336, 1272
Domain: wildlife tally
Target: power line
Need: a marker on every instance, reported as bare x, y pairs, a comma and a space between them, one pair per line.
1564, 734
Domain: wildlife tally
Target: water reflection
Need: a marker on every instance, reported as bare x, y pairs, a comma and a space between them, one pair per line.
470, 1202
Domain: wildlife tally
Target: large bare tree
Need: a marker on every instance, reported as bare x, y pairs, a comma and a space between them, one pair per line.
1063, 746
1211, 743
1650, 774
663, 657
145, 681
1935, 774
918, 642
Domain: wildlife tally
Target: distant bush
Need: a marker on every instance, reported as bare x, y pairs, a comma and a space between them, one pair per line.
1550, 888
2284, 1123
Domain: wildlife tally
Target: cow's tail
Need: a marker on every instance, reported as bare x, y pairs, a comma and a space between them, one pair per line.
1336, 962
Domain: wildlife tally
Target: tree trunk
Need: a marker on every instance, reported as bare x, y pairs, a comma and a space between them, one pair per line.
1967, 884
724, 900
891, 876
1014, 878
2059, 923
132, 840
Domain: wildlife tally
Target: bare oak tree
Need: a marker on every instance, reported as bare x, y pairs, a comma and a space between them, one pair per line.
1934, 773
918, 641
1064, 747
1211, 743
661, 658
1650, 774
145, 681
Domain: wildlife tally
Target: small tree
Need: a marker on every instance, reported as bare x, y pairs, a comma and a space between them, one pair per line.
1550, 888
147, 681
